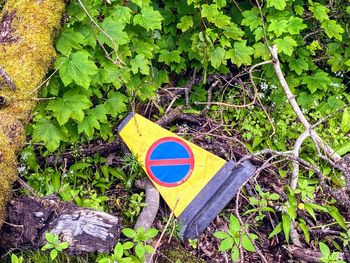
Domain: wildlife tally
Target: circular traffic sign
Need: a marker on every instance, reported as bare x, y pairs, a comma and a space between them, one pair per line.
169, 161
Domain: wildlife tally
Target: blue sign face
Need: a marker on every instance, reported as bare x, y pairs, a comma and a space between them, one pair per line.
169, 161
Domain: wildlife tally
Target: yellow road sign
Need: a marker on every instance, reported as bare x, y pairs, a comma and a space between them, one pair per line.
187, 176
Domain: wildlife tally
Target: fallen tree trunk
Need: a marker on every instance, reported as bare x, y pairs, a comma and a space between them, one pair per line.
85, 230
27, 30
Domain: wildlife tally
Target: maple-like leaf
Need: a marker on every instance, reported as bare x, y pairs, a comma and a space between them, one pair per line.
295, 25
115, 30
115, 103
149, 18
278, 27
251, 18
168, 57
68, 40
333, 29
278, 4
298, 65
217, 57
240, 53
140, 63
319, 11
72, 105
76, 68
318, 81
47, 132
286, 45
88, 126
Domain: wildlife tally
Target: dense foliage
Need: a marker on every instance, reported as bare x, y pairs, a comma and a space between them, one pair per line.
113, 57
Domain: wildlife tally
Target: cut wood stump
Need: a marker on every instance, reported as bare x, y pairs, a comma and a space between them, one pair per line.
86, 230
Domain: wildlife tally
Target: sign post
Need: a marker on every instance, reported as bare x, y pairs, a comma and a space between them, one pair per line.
195, 183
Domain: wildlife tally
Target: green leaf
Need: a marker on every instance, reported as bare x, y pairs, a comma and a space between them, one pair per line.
240, 53
286, 45
333, 29
140, 63
72, 105
344, 149
88, 126
48, 133
68, 40
286, 224
121, 14
128, 245
168, 57
186, 22
115, 30
64, 245
235, 254
226, 244
251, 18
305, 229
53, 254
298, 65
151, 233
319, 11
295, 25
128, 232
217, 57
334, 212
345, 122
278, 27
115, 103
221, 235
118, 250
278, 4
77, 68
324, 249
149, 19
139, 250
319, 81
247, 244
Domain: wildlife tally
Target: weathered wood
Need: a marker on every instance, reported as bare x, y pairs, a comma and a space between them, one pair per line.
27, 30
86, 230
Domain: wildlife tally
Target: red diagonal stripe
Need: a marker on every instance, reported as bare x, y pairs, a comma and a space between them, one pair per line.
169, 162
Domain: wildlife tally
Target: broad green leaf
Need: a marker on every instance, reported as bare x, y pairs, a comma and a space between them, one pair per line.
115, 103
186, 22
53, 254
295, 25
168, 57
298, 65
217, 57
235, 254
261, 51
139, 250
142, 3
128, 232
114, 29
247, 244
128, 245
319, 11
319, 81
345, 122
149, 18
151, 233
251, 18
72, 105
221, 235
333, 29
68, 40
77, 68
118, 250
140, 63
88, 126
209, 10
286, 45
121, 14
48, 133
240, 53
226, 244
278, 4
324, 249
278, 27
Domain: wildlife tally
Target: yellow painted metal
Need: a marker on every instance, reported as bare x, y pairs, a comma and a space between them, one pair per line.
140, 133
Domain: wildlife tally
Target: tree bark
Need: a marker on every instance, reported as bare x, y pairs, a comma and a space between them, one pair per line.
27, 30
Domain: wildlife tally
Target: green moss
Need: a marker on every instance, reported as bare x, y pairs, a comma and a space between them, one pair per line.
174, 252
26, 61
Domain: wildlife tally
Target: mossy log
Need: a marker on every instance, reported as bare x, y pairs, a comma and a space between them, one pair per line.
27, 31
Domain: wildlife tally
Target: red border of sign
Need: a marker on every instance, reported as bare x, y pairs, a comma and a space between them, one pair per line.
154, 145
